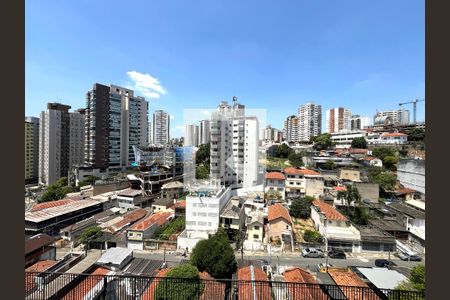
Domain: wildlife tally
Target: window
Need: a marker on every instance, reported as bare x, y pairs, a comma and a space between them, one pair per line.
256, 227
256, 236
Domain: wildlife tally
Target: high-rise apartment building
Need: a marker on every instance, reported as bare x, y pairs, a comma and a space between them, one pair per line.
150, 133
61, 136
116, 120
271, 134
161, 127
191, 136
31, 149
398, 117
338, 119
234, 146
358, 122
205, 134
310, 121
290, 131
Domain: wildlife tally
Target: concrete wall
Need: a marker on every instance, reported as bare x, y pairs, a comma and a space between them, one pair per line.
313, 187
277, 227
411, 174
369, 191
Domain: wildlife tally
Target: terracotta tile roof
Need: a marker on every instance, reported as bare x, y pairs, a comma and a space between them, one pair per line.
45, 205
340, 188
150, 291
368, 158
41, 266
295, 171
349, 279
128, 218
246, 290
158, 218
358, 151
213, 289
275, 176
180, 204
302, 291
80, 291
329, 211
401, 191
394, 134
279, 211
38, 241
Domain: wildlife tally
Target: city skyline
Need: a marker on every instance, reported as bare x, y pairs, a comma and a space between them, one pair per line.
364, 56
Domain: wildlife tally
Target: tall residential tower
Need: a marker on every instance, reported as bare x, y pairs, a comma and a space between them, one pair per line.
310, 121
161, 127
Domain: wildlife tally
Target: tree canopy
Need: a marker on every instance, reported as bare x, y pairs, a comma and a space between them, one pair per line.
382, 152
312, 236
301, 207
295, 159
416, 280
170, 288
89, 180
215, 256
386, 179
322, 141
89, 233
202, 171
283, 151
416, 134
390, 162
57, 191
202, 155
359, 143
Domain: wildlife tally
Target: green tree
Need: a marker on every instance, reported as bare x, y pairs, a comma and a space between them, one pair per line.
360, 216
322, 141
390, 162
295, 159
202, 171
312, 236
386, 180
202, 155
57, 191
301, 207
88, 181
189, 287
89, 233
215, 256
382, 152
283, 151
329, 165
416, 134
359, 143
416, 280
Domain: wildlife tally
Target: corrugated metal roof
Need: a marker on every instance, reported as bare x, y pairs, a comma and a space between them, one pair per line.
382, 278
115, 256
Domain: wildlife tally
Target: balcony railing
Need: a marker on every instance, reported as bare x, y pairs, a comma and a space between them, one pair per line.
85, 286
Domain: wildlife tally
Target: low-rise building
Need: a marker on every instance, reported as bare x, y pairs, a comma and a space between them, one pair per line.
368, 191
128, 197
346, 277
145, 229
253, 291
275, 181
349, 174
172, 190
232, 215
115, 258
163, 205
302, 291
395, 138
39, 247
279, 222
296, 181
372, 161
335, 227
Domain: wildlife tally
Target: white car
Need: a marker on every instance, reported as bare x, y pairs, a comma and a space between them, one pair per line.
313, 253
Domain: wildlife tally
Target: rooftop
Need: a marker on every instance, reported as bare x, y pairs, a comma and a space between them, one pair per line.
349, 278
37, 241
275, 176
249, 291
329, 211
115, 256
230, 210
279, 211
394, 134
163, 202
295, 171
41, 266
299, 275
158, 218
129, 192
173, 185
417, 204
407, 210
45, 205
382, 278
128, 218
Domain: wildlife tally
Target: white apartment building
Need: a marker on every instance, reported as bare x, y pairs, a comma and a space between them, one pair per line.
60, 145
310, 121
359, 123
271, 134
205, 134
161, 127
203, 207
191, 136
343, 139
234, 146
398, 117
338, 119
290, 131
143, 122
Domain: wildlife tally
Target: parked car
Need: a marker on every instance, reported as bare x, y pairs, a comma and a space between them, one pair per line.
407, 257
384, 263
323, 266
337, 253
312, 253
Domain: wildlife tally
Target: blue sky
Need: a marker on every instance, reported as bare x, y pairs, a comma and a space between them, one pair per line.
277, 55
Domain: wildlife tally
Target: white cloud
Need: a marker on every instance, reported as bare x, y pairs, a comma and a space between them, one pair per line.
146, 84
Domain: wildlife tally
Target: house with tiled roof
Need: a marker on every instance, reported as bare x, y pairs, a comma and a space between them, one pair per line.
279, 222
39, 247
303, 182
347, 279
275, 181
253, 290
335, 227
145, 229
395, 138
89, 288
302, 291
149, 293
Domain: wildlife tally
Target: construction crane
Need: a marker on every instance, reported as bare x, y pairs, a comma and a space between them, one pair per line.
414, 102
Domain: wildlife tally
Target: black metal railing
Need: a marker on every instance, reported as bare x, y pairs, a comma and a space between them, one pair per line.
46, 285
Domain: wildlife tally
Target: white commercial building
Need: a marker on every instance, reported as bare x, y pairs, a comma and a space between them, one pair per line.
161, 127
344, 139
338, 119
203, 206
60, 144
310, 121
234, 146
